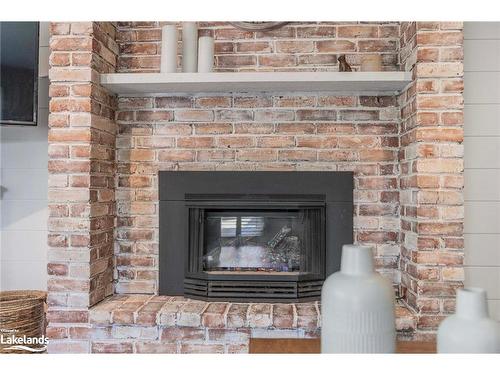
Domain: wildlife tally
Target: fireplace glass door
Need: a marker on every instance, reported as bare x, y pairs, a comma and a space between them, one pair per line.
252, 236
273, 242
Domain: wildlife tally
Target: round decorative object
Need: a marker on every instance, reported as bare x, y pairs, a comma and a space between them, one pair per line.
258, 26
357, 307
470, 329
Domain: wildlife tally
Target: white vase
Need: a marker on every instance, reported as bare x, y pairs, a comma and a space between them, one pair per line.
189, 47
357, 307
470, 329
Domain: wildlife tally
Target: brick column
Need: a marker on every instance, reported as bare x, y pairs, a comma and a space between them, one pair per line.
81, 179
431, 163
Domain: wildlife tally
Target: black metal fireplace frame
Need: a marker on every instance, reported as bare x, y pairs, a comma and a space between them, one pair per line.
182, 192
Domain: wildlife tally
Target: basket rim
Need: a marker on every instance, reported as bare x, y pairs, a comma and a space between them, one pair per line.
13, 296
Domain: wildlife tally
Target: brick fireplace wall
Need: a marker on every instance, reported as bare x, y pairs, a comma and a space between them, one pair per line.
82, 172
431, 170
282, 131
271, 132
105, 153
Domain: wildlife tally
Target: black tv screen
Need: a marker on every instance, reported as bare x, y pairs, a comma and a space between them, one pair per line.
18, 73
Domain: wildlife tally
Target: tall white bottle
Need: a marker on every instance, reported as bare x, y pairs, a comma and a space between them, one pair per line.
470, 329
189, 47
168, 62
357, 307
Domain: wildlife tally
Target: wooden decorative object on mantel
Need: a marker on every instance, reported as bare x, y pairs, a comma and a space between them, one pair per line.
313, 346
343, 64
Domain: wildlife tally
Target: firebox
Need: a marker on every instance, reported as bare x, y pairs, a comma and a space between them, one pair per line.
252, 236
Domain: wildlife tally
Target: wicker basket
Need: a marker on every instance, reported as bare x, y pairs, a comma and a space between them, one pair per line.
22, 313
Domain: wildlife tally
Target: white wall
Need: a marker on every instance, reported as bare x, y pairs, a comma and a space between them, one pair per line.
23, 203
482, 159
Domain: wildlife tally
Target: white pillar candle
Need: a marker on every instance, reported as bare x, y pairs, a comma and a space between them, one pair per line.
168, 49
189, 47
205, 54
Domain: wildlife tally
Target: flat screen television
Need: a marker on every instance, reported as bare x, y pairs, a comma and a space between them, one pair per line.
18, 73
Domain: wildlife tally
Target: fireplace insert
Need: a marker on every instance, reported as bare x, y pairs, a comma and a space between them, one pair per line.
260, 236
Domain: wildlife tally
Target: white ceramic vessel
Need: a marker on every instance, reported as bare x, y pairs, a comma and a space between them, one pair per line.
357, 307
470, 329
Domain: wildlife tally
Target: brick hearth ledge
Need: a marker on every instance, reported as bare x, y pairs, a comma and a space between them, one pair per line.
141, 323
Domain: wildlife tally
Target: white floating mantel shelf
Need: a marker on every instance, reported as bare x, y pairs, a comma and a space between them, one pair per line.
372, 83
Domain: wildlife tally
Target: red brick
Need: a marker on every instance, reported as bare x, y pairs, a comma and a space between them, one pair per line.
202, 348
155, 347
377, 45
193, 115
441, 69
277, 60
440, 38
81, 59
437, 101
112, 347
58, 151
57, 269
234, 115
337, 101
215, 155
176, 155
213, 101
235, 142
213, 128
195, 142
252, 101
447, 229
294, 101
316, 115
58, 90
233, 61
154, 116
317, 142
253, 47
357, 31
59, 28
138, 48
275, 141
297, 155
274, 115
316, 32
55, 333
66, 316
341, 46
294, 46
283, 316
256, 155
70, 105
253, 128
71, 44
